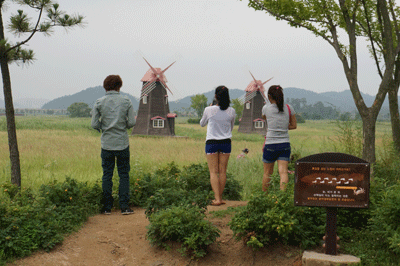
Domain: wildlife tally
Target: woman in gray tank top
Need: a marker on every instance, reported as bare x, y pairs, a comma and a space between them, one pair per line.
280, 119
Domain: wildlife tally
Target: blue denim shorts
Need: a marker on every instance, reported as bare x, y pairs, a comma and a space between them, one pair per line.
215, 146
274, 152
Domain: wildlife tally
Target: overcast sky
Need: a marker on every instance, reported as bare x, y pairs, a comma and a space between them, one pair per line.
214, 42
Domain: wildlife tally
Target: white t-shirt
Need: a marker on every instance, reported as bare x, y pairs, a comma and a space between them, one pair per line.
277, 122
220, 122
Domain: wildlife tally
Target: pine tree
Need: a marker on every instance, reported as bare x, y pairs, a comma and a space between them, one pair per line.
49, 16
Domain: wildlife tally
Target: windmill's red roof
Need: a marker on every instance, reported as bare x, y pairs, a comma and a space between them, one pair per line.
149, 75
171, 115
157, 117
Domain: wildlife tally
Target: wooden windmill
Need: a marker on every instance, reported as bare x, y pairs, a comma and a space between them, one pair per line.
153, 116
254, 100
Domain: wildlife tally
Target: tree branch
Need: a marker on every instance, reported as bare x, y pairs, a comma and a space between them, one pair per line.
371, 38
33, 32
291, 21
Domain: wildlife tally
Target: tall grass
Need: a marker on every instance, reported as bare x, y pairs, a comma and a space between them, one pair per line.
53, 148
48, 122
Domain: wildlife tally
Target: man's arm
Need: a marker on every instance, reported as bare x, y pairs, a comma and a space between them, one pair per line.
96, 124
131, 121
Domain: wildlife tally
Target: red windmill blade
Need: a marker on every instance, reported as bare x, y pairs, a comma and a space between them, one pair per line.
258, 85
157, 75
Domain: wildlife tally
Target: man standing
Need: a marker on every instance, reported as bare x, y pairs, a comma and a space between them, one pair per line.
112, 115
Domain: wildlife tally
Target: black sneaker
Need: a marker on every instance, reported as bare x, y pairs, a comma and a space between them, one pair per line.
127, 211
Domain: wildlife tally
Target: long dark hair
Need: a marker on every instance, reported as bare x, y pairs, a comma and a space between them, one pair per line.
276, 93
222, 97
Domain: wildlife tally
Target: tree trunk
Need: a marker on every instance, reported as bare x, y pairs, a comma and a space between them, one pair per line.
11, 129
369, 126
394, 117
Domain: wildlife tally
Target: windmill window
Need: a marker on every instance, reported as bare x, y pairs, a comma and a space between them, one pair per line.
166, 99
145, 99
259, 124
158, 123
247, 105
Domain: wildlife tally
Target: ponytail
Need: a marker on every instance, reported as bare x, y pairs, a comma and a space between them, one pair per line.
222, 97
276, 93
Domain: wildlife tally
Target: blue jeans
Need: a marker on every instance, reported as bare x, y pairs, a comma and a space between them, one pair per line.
123, 166
274, 152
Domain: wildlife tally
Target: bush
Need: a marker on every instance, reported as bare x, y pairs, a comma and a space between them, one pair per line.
385, 219
193, 180
300, 119
184, 225
270, 218
29, 222
165, 198
196, 178
176, 208
193, 120
144, 185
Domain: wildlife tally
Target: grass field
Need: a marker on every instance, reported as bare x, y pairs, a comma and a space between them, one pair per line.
52, 148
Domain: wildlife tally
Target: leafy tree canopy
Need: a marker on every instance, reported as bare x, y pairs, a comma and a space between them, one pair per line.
238, 106
79, 110
198, 103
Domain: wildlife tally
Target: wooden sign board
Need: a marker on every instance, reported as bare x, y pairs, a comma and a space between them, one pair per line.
332, 180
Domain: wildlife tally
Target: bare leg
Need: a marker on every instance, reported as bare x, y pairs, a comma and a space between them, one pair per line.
222, 165
268, 171
212, 160
283, 173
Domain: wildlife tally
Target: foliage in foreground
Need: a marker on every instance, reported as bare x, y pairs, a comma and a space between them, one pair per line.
175, 206
30, 221
270, 218
371, 234
175, 200
184, 225
170, 185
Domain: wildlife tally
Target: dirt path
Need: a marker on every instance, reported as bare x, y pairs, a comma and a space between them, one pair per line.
120, 241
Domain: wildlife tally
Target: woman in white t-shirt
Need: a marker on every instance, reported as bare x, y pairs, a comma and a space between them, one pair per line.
220, 119
280, 118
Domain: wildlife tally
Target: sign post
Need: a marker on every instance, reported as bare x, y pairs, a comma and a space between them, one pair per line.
332, 180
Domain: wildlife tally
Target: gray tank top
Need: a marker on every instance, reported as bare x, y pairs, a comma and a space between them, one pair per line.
277, 123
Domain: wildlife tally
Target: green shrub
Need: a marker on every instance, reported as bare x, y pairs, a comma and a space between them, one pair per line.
385, 218
194, 180
144, 185
165, 198
193, 121
176, 208
32, 221
185, 225
270, 218
300, 119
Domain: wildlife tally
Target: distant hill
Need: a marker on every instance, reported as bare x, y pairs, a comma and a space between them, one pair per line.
89, 96
343, 101
185, 102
